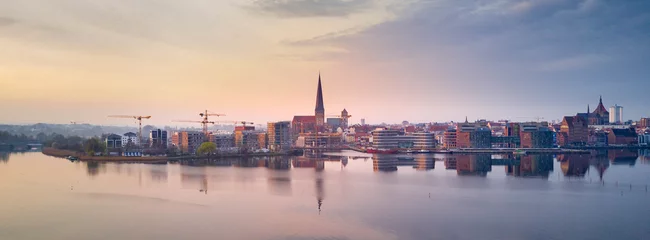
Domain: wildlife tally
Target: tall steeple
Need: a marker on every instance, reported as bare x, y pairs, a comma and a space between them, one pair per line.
320, 108
588, 111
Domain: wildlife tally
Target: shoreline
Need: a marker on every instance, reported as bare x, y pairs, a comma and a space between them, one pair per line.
151, 159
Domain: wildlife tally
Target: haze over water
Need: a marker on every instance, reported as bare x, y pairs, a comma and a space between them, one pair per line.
43, 197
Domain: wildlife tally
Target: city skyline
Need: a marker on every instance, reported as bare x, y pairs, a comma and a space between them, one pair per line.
421, 61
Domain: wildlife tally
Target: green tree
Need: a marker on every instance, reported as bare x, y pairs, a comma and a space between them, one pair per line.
207, 148
94, 145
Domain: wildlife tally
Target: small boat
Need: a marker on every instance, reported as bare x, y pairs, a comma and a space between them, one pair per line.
72, 158
424, 151
519, 152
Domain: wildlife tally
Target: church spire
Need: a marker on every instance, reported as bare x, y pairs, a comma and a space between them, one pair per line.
588, 109
319, 98
466, 119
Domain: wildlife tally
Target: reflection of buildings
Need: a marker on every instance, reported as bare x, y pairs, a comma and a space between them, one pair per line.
531, 166
384, 163
320, 192
278, 163
194, 178
450, 162
4, 156
424, 162
574, 165
644, 155
93, 168
158, 172
622, 156
476, 164
601, 163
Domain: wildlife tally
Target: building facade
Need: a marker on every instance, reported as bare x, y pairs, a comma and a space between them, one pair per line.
574, 131
616, 114
158, 138
130, 138
622, 136
385, 139
279, 134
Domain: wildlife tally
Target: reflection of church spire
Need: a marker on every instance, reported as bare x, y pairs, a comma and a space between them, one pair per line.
319, 193
588, 108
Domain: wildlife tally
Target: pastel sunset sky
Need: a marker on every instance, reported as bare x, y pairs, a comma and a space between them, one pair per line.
383, 60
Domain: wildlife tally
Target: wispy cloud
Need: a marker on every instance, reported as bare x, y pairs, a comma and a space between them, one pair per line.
575, 62
310, 8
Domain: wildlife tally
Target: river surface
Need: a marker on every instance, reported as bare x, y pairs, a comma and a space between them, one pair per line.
345, 196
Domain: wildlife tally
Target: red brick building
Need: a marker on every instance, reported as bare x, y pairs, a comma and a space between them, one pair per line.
622, 136
576, 129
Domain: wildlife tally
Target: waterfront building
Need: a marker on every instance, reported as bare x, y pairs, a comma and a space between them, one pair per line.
644, 139
385, 139
158, 138
424, 140
473, 135
113, 141
130, 138
250, 139
597, 137
616, 114
316, 140
279, 134
622, 136
573, 131
224, 141
188, 141
535, 135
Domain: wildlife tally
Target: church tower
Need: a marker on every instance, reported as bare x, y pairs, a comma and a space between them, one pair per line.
320, 108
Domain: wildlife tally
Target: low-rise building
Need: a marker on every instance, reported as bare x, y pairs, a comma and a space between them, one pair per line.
622, 136
130, 138
113, 141
644, 139
450, 139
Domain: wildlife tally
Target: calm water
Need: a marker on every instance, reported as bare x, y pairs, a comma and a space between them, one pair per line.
338, 197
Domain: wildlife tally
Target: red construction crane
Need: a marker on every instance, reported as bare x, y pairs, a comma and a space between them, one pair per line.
139, 118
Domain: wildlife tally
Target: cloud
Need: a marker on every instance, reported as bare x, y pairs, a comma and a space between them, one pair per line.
575, 62
4, 21
311, 8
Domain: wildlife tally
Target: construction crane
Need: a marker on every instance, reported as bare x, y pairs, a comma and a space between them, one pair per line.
207, 113
536, 118
139, 118
204, 123
243, 123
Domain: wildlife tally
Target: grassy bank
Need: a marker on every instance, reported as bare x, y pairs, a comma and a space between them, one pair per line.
152, 159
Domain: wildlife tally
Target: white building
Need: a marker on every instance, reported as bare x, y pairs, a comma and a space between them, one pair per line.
130, 137
615, 114
644, 139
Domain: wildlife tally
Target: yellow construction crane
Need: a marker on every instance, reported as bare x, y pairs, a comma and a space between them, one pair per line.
204, 123
139, 118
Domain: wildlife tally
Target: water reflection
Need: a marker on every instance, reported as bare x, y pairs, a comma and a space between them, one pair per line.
4, 157
574, 165
94, 168
384, 163
622, 157
531, 166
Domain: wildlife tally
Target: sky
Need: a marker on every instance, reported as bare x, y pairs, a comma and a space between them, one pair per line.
382, 60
